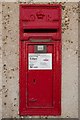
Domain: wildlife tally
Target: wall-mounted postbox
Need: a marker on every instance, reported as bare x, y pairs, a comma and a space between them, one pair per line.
40, 59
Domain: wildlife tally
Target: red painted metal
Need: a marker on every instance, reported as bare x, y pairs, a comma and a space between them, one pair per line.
40, 90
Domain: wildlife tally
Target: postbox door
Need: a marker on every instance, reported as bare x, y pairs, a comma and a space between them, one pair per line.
40, 76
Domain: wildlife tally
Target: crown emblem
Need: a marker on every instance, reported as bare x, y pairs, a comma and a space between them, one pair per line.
40, 15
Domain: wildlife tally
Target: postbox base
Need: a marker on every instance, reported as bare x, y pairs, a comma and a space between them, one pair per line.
41, 112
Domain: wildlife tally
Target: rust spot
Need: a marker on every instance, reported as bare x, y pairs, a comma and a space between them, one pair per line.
14, 104
76, 52
3, 86
46, 118
5, 42
8, 15
6, 37
5, 95
5, 27
4, 71
14, 98
3, 5
8, 7
12, 69
4, 65
71, 41
10, 77
63, 7
4, 103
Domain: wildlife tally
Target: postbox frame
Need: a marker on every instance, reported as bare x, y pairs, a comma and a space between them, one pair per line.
23, 109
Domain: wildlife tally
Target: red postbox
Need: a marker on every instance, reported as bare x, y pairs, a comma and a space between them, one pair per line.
40, 59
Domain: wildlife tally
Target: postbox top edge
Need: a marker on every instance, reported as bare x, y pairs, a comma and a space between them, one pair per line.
40, 5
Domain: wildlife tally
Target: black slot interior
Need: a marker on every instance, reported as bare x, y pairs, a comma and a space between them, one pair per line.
40, 30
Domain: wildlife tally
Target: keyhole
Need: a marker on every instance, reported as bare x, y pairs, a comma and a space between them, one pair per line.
34, 81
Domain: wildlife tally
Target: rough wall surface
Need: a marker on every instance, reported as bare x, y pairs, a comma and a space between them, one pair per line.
10, 81
0, 60
70, 60
10, 59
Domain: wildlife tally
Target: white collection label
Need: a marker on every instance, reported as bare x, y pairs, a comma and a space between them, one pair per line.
40, 61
